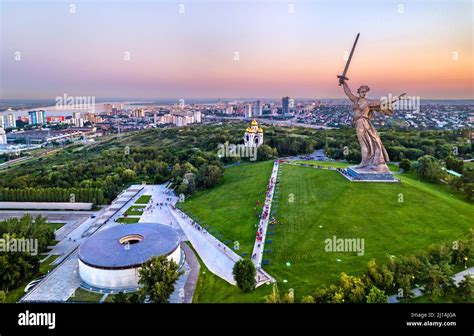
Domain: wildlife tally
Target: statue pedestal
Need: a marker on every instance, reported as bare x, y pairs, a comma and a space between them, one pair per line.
355, 174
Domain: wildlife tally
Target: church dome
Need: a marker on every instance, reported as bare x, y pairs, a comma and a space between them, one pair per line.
260, 130
254, 123
250, 130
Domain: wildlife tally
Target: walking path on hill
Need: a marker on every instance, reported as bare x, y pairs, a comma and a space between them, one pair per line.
217, 257
259, 245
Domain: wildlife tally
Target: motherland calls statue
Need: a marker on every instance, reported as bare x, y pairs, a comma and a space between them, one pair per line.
374, 155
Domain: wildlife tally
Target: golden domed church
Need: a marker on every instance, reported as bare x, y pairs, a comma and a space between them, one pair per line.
253, 136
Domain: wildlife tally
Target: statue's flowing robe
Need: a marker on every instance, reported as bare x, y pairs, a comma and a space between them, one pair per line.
372, 150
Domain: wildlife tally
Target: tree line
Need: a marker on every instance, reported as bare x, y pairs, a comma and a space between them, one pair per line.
430, 169
86, 195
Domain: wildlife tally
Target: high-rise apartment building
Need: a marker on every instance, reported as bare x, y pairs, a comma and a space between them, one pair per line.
37, 117
285, 104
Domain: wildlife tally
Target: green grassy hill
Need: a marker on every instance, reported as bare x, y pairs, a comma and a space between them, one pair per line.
392, 218
229, 209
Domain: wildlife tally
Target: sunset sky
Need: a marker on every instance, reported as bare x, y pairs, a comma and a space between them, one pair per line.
424, 48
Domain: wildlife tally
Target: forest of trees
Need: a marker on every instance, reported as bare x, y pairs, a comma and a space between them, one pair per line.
409, 144
18, 267
430, 169
188, 157
87, 195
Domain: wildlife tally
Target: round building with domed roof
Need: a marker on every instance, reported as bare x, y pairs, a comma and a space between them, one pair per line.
111, 258
253, 136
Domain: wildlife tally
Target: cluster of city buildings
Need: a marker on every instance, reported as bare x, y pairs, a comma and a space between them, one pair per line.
179, 117
336, 113
425, 116
438, 116
257, 108
42, 127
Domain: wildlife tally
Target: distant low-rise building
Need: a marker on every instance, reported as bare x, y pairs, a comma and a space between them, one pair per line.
197, 116
138, 113
55, 119
229, 110
3, 137
10, 121
179, 118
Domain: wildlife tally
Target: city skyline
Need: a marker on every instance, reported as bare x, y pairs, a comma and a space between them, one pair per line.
237, 49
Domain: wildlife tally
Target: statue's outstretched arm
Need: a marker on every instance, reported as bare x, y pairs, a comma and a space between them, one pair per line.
381, 106
348, 92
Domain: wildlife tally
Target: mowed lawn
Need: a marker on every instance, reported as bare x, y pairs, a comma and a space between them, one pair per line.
229, 208
144, 199
338, 164
212, 289
392, 218
135, 210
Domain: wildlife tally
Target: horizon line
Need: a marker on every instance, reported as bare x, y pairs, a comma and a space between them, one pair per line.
214, 98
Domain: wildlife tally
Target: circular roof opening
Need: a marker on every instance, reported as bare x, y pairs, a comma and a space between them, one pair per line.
131, 239
105, 249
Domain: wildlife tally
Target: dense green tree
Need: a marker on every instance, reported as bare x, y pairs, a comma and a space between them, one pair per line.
437, 280
469, 191
353, 287
209, 175
307, 299
456, 183
157, 278
440, 253
465, 289
406, 271
129, 175
405, 165
176, 170
376, 296
428, 168
380, 277
265, 152
244, 273
16, 267
455, 164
